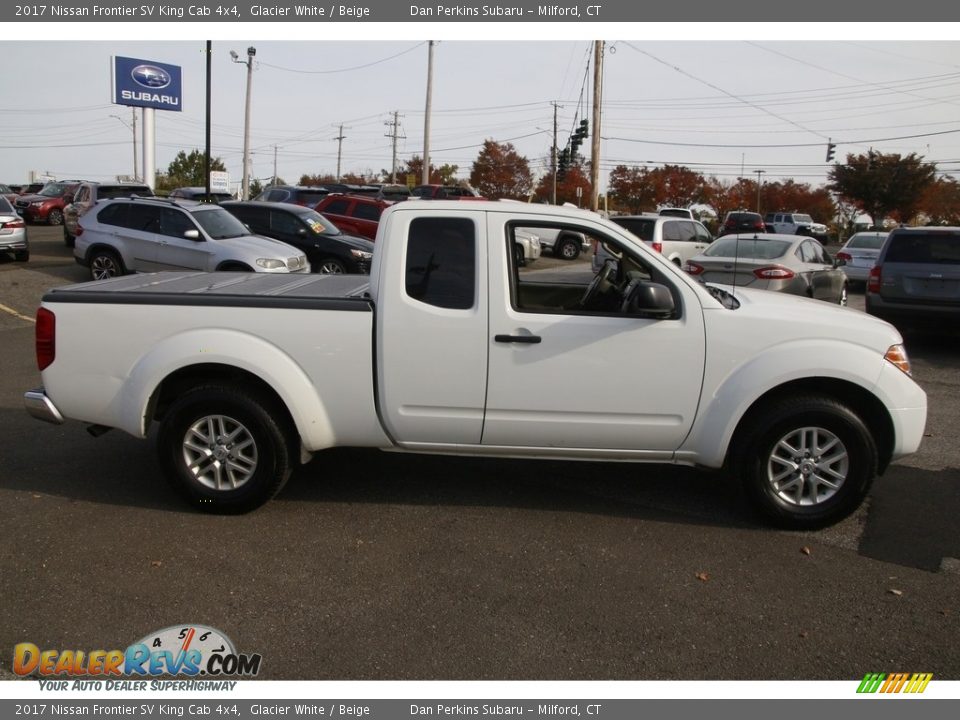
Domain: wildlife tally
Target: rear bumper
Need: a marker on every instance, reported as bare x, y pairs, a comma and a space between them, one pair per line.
920, 314
41, 407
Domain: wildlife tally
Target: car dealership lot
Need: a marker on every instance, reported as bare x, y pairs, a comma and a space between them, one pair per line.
376, 566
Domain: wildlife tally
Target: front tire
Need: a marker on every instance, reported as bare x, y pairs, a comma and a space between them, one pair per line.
332, 266
226, 451
55, 217
806, 461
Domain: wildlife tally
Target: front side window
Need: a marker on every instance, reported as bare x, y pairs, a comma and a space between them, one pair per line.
441, 262
284, 222
175, 223
219, 224
365, 211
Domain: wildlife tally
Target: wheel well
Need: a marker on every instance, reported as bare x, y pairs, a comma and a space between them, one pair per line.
234, 265
93, 249
866, 405
184, 379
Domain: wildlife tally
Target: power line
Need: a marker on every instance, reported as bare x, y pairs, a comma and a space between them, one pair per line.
341, 70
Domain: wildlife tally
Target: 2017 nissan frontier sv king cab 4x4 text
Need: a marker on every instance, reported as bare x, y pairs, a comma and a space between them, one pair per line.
449, 347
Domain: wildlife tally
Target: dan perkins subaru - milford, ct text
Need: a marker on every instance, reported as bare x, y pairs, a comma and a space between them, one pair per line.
458, 11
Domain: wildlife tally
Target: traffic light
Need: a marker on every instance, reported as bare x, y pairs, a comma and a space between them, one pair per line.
831, 151
563, 161
583, 131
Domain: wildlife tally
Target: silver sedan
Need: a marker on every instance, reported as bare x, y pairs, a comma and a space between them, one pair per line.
13, 232
860, 254
783, 263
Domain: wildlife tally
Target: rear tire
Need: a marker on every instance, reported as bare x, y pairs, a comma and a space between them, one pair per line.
806, 461
223, 449
68, 239
105, 264
567, 248
21, 255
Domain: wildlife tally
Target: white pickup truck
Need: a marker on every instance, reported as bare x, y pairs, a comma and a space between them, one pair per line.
448, 347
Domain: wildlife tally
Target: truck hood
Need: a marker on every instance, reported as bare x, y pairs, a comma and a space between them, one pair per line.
774, 317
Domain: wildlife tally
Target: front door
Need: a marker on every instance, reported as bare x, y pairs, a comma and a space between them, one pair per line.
570, 376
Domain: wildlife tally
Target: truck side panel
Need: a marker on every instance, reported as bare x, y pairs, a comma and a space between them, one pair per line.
318, 361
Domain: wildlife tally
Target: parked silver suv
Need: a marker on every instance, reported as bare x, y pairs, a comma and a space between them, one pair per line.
151, 234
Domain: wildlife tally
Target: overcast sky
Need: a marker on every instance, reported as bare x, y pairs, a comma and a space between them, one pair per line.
706, 105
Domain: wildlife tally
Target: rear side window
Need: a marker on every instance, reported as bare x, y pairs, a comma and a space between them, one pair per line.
924, 248
337, 207
441, 262
310, 198
643, 229
115, 214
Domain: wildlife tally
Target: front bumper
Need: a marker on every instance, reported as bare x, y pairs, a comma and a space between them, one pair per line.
41, 407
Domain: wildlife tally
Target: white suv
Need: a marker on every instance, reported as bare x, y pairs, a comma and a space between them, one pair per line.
151, 234
796, 224
677, 239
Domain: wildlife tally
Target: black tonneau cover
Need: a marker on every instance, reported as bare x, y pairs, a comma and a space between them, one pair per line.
224, 289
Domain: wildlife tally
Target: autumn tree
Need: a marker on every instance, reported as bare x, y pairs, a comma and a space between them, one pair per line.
500, 172
882, 184
790, 196
187, 170
676, 186
630, 189
444, 175
576, 176
941, 202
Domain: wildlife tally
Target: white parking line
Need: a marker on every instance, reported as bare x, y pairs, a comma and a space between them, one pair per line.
13, 312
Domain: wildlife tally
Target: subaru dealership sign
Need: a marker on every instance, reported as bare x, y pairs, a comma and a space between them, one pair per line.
144, 83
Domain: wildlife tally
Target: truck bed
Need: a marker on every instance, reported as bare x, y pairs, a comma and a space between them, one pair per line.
223, 289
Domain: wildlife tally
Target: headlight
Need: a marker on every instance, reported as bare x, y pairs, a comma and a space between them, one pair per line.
38, 203
362, 254
271, 263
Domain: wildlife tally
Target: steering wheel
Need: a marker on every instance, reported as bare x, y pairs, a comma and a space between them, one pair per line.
601, 282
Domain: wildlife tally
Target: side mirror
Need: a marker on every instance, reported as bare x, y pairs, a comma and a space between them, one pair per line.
192, 234
648, 300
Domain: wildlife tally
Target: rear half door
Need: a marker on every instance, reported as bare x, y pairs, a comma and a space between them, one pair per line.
432, 328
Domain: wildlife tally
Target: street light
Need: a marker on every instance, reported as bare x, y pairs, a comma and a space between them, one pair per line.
133, 112
251, 52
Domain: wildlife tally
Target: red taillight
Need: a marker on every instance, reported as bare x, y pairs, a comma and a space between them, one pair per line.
773, 272
845, 256
79, 231
14, 224
657, 246
758, 225
46, 338
873, 282
692, 268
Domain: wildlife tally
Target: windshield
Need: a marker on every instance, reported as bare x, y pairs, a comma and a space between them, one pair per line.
218, 223
53, 189
867, 242
319, 224
748, 248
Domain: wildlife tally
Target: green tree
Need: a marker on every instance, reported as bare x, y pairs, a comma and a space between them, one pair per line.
188, 171
883, 185
444, 175
500, 172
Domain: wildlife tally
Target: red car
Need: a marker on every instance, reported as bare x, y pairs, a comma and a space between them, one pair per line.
47, 205
353, 214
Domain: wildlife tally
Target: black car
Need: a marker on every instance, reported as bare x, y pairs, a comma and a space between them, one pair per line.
199, 194
305, 195
740, 221
327, 249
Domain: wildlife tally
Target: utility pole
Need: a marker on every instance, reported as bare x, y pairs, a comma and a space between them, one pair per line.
394, 135
759, 185
425, 174
339, 138
595, 137
553, 156
274, 164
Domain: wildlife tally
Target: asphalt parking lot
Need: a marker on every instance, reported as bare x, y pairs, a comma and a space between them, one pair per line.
381, 566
